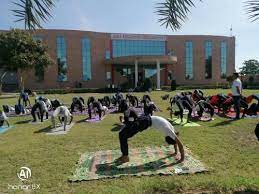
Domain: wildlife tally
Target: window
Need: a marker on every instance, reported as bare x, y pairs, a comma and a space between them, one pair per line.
137, 47
86, 59
61, 59
107, 54
188, 60
108, 75
223, 59
149, 72
208, 59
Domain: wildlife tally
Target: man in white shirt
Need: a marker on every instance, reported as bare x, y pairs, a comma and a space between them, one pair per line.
237, 92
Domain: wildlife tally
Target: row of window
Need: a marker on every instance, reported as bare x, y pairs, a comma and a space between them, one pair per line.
137, 47
122, 48
208, 59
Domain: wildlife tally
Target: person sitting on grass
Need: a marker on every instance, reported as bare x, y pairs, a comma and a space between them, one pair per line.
3, 118
142, 123
62, 113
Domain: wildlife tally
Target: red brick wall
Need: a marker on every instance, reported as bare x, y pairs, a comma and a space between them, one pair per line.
100, 42
177, 45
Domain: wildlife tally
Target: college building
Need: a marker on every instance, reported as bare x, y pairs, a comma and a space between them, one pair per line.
97, 60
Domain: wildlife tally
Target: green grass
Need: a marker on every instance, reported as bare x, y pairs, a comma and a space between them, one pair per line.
229, 149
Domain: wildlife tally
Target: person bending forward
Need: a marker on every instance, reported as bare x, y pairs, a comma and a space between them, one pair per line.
62, 113
142, 123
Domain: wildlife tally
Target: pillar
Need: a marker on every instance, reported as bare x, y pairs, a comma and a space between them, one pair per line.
136, 73
158, 75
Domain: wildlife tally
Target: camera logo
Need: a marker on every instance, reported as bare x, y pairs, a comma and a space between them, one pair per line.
24, 174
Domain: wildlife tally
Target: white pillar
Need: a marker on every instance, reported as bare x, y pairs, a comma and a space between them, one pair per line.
136, 73
158, 75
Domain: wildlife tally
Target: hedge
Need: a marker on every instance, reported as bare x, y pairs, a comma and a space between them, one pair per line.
75, 90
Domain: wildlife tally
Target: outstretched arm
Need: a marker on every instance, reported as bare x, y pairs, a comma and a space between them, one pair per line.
71, 119
7, 122
181, 149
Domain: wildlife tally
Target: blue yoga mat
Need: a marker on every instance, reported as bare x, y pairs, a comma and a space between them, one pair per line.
5, 128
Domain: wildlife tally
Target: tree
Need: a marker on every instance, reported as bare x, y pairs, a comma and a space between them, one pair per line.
20, 52
32, 12
250, 67
175, 12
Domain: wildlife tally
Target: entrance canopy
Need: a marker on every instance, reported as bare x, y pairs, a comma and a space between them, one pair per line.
145, 60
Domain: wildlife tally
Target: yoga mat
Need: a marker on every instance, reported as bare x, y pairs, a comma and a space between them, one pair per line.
143, 162
184, 123
13, 114
204, 118
95, 119
60, 130
37, 122
5, 128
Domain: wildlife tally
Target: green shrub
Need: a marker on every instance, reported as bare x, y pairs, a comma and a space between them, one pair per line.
74, 90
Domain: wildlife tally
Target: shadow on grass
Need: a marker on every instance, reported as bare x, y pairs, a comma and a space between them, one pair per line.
223, 123
246, 192
112, 169
116, 127
82, 121
44, 130
23, 122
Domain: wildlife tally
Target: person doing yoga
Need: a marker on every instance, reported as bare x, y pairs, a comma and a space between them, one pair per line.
142, 123
63, 114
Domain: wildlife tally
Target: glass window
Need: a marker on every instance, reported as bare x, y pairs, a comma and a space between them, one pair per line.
208, 59
86, 59
107, 54
61, 59
188, 60
223, 59
149, 72
137, 47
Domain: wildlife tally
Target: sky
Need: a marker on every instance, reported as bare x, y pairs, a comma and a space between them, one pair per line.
210, 17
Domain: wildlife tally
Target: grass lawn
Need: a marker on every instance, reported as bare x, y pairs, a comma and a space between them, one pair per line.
229, 149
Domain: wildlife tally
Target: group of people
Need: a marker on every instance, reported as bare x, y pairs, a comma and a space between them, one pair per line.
194, 102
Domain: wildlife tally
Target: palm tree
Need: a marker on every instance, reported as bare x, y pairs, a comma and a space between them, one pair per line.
252, 9
32, 12
175, 12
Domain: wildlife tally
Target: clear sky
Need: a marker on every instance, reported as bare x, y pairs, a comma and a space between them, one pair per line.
213, 17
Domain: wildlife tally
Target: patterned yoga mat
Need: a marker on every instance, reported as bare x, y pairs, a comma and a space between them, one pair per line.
143, 162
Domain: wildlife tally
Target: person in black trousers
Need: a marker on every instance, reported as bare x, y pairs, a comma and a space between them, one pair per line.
237, 93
